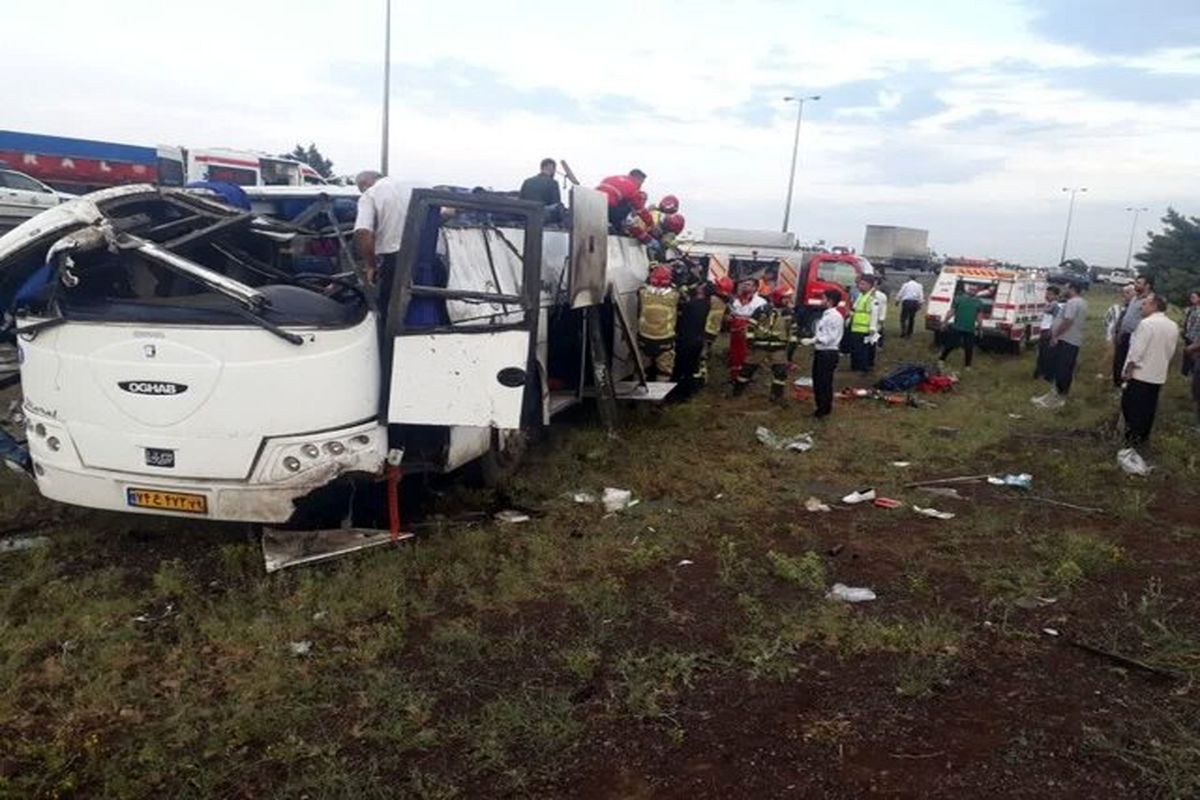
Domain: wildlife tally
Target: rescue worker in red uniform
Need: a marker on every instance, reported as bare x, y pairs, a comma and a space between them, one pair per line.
623, 193
658, 314
744, 307
772, 340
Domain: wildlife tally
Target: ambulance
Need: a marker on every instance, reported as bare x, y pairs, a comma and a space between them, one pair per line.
1017, 299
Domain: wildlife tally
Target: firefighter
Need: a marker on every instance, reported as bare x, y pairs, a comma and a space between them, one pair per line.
625, 196
719, 294
773, 340
657, 317
742, 309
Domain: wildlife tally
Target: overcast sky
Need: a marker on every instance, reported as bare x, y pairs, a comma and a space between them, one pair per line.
963, 118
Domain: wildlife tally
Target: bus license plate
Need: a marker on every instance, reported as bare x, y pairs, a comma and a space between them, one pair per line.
167, 501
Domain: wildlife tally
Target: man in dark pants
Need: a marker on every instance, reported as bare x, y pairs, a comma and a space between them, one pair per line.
964, 319
826, 341
1044, 366
910, 299
1146, 367
1142, 286
862, 317
689, 342
1065, 342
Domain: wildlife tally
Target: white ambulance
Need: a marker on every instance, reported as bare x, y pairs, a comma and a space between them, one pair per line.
1017, 298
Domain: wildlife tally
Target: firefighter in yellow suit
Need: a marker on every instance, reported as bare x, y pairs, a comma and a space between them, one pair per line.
773, 338
658, 313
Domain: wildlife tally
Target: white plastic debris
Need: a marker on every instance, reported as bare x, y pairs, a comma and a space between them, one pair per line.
1050, 631
1021, 481
301, 648
801, 444
815, 505
17, 543
616, 499
901, 464
685, 562
511, 517
861, 496
583, 497
850, 594
1132, 463
803, 383
933, 512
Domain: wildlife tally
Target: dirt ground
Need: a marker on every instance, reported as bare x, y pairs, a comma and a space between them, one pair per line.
681, 648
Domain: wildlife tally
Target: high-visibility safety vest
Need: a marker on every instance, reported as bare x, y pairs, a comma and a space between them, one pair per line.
860, 320
659, 311
716, 315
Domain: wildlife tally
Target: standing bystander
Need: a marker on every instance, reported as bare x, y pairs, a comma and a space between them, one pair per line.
1151, 349
1044, 367
910, 298
1191, 330
963, 320
1066, 340
1142, 286
826, 342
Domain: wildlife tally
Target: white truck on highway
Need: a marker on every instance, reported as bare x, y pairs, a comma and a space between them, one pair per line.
895, 247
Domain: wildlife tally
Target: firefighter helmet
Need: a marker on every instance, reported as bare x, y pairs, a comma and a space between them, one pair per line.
782, 294
669, 204
725, 286
673, 223
661, 276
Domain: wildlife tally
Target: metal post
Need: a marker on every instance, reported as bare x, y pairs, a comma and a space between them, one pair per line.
787, 206
1132, 231
387, 86
1070, 213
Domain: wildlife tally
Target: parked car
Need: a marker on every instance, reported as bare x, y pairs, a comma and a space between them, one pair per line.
22, 197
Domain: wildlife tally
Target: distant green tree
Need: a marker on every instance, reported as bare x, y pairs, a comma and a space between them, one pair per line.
312, 156
1172, 258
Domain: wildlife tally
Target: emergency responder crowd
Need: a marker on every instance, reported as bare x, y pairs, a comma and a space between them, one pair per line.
683, 309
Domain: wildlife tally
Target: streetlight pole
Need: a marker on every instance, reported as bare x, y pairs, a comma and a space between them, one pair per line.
799, 101
1070, 213
387, 85
1132, 230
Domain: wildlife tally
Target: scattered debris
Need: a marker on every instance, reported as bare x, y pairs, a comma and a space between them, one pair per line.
685, 562
861, 496
1091, 509
1132, 463
933, 512
901, 464
511, 516
1126, 661
283, 549
801, 443
942, 491
815, 505
803, 382
583, 497
946, 431
1022, 481
1016, 416
18, 543
719, 496
301, 648
887, 502
850, 594
320, 615
1031, 602
148, 618
936, 481
617, 499
1050, 631
836, 550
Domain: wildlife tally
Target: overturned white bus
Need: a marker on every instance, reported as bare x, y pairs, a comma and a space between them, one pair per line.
181, 356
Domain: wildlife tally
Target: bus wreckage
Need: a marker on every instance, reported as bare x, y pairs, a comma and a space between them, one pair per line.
181, 356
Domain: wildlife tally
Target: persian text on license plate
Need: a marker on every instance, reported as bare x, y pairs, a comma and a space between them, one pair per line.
167, 501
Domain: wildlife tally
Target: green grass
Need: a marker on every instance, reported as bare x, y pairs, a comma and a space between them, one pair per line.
484, 660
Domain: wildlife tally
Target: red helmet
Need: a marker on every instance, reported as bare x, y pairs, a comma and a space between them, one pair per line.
669, 204
661, 276
781, 294
725, 286
673, 223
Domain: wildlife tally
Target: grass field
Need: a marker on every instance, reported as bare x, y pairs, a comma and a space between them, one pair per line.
682, 648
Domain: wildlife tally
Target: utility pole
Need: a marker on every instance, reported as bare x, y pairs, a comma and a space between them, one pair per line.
1070, 213
787, 207
1132, 230
387, 85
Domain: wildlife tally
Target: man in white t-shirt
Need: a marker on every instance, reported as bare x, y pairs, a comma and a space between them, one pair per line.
910, 299
379, 226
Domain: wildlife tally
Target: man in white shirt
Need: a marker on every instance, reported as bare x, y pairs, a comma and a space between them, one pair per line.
1146, 367
910, 298
826, 342
378, 227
